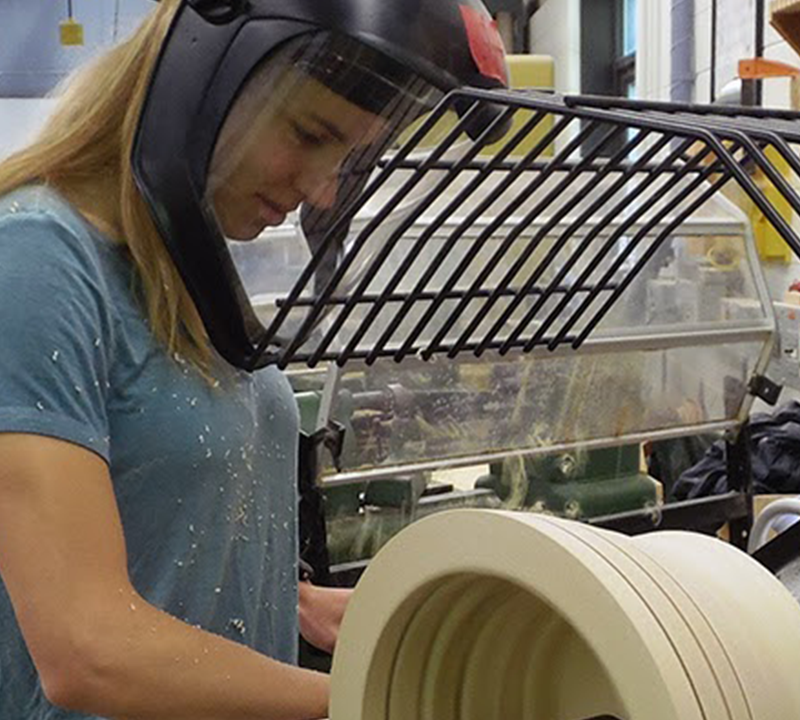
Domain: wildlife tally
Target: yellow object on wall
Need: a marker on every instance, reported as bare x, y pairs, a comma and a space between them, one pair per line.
771, 246
536, 72
526, 72
71, 32
785, 18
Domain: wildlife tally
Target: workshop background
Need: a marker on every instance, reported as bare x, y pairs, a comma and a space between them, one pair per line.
605, 435
677, 50
682, 50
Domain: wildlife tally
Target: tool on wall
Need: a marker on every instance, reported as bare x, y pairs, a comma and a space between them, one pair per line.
768, 241
70, 30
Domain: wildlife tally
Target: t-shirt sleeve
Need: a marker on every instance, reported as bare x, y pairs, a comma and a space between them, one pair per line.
55, 332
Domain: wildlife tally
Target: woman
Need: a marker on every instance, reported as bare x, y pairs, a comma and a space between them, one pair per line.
148, 550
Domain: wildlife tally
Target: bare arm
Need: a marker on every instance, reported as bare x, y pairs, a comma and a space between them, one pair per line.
98, 646
321, 612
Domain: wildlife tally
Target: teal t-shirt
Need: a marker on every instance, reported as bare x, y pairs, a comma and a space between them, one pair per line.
204, 473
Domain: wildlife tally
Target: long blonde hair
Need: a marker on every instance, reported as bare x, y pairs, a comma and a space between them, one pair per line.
89, 139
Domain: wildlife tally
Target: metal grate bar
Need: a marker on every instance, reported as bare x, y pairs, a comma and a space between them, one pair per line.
602, 253
538, 166
391, 243
534, 243
486, 235
755, 127
606, 102
397, 297
347, 261
517, 253
586, 242
577, 342
363, 354
418, 292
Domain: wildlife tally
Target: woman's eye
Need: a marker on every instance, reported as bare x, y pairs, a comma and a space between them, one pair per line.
306, 137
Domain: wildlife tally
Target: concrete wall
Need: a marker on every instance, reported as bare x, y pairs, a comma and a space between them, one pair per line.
33, 62
776, 90
20, 119
653, 61
32, 59
555, 31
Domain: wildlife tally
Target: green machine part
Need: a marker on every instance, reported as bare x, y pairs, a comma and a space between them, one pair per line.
362, 515
584, 484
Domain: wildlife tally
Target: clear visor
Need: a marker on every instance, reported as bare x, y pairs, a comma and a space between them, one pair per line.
295, 153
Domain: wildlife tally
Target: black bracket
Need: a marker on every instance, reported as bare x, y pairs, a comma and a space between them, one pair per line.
333, 440
762, 387
740, 480
219, 12
782, 550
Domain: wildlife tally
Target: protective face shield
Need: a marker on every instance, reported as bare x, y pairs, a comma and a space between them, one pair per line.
263, 119
305, 132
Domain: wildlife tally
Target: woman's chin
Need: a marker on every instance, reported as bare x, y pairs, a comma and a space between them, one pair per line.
243, 234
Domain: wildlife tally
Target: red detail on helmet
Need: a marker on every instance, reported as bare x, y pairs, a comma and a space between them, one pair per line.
485, 44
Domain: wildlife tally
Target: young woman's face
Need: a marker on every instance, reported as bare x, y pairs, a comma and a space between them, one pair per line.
287, 156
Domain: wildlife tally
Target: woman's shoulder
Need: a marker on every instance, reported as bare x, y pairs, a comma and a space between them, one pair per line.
42, 206
35, 220
47, 248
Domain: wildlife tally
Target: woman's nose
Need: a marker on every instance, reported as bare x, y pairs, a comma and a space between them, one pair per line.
321, 193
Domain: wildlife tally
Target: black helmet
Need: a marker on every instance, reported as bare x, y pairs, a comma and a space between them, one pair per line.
374, 64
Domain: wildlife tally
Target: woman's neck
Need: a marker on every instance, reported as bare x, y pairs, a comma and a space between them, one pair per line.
98, 202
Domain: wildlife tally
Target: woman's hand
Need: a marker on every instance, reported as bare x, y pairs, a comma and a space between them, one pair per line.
321, 613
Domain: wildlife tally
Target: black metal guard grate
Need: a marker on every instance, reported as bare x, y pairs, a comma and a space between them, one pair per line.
527, 243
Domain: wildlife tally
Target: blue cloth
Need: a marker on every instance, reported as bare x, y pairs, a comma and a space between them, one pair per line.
204, 474
774, 447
